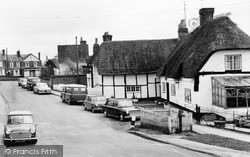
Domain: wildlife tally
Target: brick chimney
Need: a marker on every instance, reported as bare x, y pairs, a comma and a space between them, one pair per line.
18, 53
3, 51
107, 37
182, 29
96, 46
206, 14
83, 42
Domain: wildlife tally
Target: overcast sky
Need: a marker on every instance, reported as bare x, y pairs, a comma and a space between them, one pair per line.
33, 26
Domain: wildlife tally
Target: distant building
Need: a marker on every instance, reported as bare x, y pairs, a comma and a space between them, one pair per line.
19, 65
67, 56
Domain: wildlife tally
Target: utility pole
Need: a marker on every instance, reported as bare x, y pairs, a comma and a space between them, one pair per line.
77, 72
185, 15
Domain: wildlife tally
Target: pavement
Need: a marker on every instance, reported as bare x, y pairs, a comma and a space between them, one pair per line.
229, 131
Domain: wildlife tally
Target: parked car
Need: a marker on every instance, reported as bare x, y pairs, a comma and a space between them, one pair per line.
31, 82
242, 121
73, 93
94, 102
23, 83
20, 80
20, 128
121, 108
42, 88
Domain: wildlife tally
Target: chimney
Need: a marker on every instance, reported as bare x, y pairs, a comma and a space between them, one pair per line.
83, 42
107, 37
39, 55
18, 53
182, 29
206, 14
96, 46
3, 51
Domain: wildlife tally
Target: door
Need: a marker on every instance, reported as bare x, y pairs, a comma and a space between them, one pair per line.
32, 73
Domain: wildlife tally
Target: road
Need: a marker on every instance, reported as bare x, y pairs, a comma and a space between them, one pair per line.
81, 133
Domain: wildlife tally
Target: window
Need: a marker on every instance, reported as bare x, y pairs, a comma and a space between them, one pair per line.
1, 72
26, 64
163, 87
11, 64
233, 62
1, 64
18, 64
173, 90
236, 97
133, 89
187, 94
35, 64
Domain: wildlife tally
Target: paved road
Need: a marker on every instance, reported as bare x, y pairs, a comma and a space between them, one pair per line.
81, 133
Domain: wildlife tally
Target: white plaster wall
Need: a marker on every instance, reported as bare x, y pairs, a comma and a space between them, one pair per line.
26, 74
108, 91
119, 80
108, 80
151, 90
151, 78
143, 91
141, 79
130, 80
119, 92
217, 61
31, 58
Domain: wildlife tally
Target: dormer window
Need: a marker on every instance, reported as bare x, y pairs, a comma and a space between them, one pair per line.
27, 64
233, 62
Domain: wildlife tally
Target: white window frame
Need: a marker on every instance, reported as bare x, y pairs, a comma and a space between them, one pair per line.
163, 87
1, 72
18, 64
133, 89
11, 64
27, 64
233, 62
173, 90
187, 95
1, 64
35, 64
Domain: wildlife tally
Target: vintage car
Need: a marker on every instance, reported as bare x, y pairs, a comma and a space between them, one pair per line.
20, 80
23, 83
31, 82
42, 88
121, 108
20, 128
94, 102
72, 93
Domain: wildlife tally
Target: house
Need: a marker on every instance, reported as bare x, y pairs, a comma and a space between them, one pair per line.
210, 68
68, 58
127, 69
31, 65
2, 64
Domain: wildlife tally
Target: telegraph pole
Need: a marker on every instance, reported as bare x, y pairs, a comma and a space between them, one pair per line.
77, 72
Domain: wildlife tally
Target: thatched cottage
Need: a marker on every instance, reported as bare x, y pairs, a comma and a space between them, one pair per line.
126, 69
210, 68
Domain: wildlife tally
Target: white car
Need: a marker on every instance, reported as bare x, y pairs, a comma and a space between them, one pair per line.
42, 88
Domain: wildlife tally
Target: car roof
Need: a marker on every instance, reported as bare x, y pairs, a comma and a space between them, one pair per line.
91, 95
74, 85
120, 99
20, 113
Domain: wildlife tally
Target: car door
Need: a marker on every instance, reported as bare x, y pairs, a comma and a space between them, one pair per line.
87, 102
115, 109
109, 107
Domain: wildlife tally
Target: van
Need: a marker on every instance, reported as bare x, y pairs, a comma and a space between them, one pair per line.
72, 93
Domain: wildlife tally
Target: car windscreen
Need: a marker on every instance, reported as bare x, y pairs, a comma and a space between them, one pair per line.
42, 85
79, 89
20, 119
127, 103
101, 98
36, 80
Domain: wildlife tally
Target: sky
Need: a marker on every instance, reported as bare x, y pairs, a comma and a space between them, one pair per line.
33, 26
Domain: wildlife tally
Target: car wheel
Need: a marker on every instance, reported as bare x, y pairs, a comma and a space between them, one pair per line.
33, 141
37, 92
6, 143
121, 117
105, 113
93, 109
69, 102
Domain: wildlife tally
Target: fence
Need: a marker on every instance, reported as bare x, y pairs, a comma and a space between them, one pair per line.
166, 120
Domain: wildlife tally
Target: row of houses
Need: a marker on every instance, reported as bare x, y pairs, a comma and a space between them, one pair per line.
208, 67
19, 65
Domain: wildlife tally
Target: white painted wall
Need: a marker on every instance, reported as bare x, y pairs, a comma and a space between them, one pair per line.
131, 80
31, 58
217, 61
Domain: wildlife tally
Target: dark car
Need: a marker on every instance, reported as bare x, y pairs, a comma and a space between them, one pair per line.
72, 93
31, 82
20, 128
121, 108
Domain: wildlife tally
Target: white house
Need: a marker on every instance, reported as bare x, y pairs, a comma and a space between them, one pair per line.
126, 69
210, 68
31, 66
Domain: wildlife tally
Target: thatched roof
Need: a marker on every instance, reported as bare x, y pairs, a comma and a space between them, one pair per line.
132, 57
193, 51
